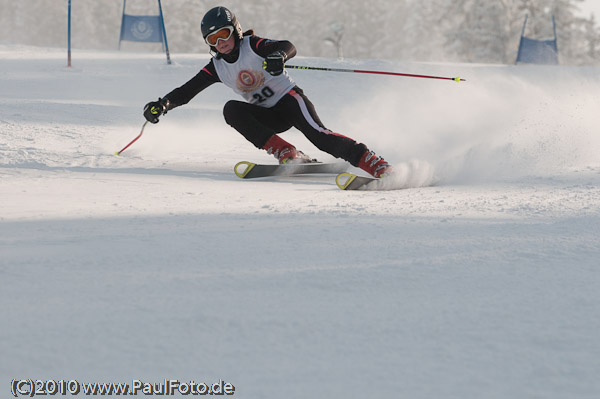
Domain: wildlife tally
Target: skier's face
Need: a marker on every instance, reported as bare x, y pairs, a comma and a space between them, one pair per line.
226, 46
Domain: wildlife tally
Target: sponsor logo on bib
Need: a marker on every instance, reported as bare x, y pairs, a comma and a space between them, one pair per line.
250, 80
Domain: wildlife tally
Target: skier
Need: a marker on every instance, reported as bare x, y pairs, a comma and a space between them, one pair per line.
254, 68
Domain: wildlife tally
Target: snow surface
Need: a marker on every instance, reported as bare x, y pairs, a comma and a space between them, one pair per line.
161, 263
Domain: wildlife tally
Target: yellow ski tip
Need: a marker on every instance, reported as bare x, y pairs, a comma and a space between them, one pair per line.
247, 167
117, 154
343, 180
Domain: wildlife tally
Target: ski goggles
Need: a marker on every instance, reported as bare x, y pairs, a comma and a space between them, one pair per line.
222, 34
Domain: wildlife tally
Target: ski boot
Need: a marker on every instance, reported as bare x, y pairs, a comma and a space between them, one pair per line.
285, 152
375, 165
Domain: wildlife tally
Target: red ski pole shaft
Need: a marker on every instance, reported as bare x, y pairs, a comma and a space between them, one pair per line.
457, 79
134, 140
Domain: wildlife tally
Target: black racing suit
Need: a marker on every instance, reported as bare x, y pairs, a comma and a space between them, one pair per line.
256, 123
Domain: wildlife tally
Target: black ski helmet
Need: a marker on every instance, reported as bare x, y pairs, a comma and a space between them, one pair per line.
217, 18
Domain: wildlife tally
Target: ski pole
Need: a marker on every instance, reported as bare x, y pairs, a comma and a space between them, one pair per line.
134, 140
457, 79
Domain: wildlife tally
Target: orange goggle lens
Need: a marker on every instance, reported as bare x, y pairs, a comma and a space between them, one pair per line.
222, 34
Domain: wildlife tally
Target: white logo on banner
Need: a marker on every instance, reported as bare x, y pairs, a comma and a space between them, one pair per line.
141, 30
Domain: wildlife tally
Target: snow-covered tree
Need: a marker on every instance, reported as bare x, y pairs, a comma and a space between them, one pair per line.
592, 41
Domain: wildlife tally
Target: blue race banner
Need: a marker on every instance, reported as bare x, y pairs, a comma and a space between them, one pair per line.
141, 29
533, 51
538, 51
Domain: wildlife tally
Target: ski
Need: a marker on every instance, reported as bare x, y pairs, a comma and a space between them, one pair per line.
350, 181
250, 170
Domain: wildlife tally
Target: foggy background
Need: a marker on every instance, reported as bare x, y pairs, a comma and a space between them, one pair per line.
480, 31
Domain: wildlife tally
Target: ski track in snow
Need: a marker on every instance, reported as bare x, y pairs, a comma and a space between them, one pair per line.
480, 279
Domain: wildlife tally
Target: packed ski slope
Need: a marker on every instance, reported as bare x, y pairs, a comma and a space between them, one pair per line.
478, 280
